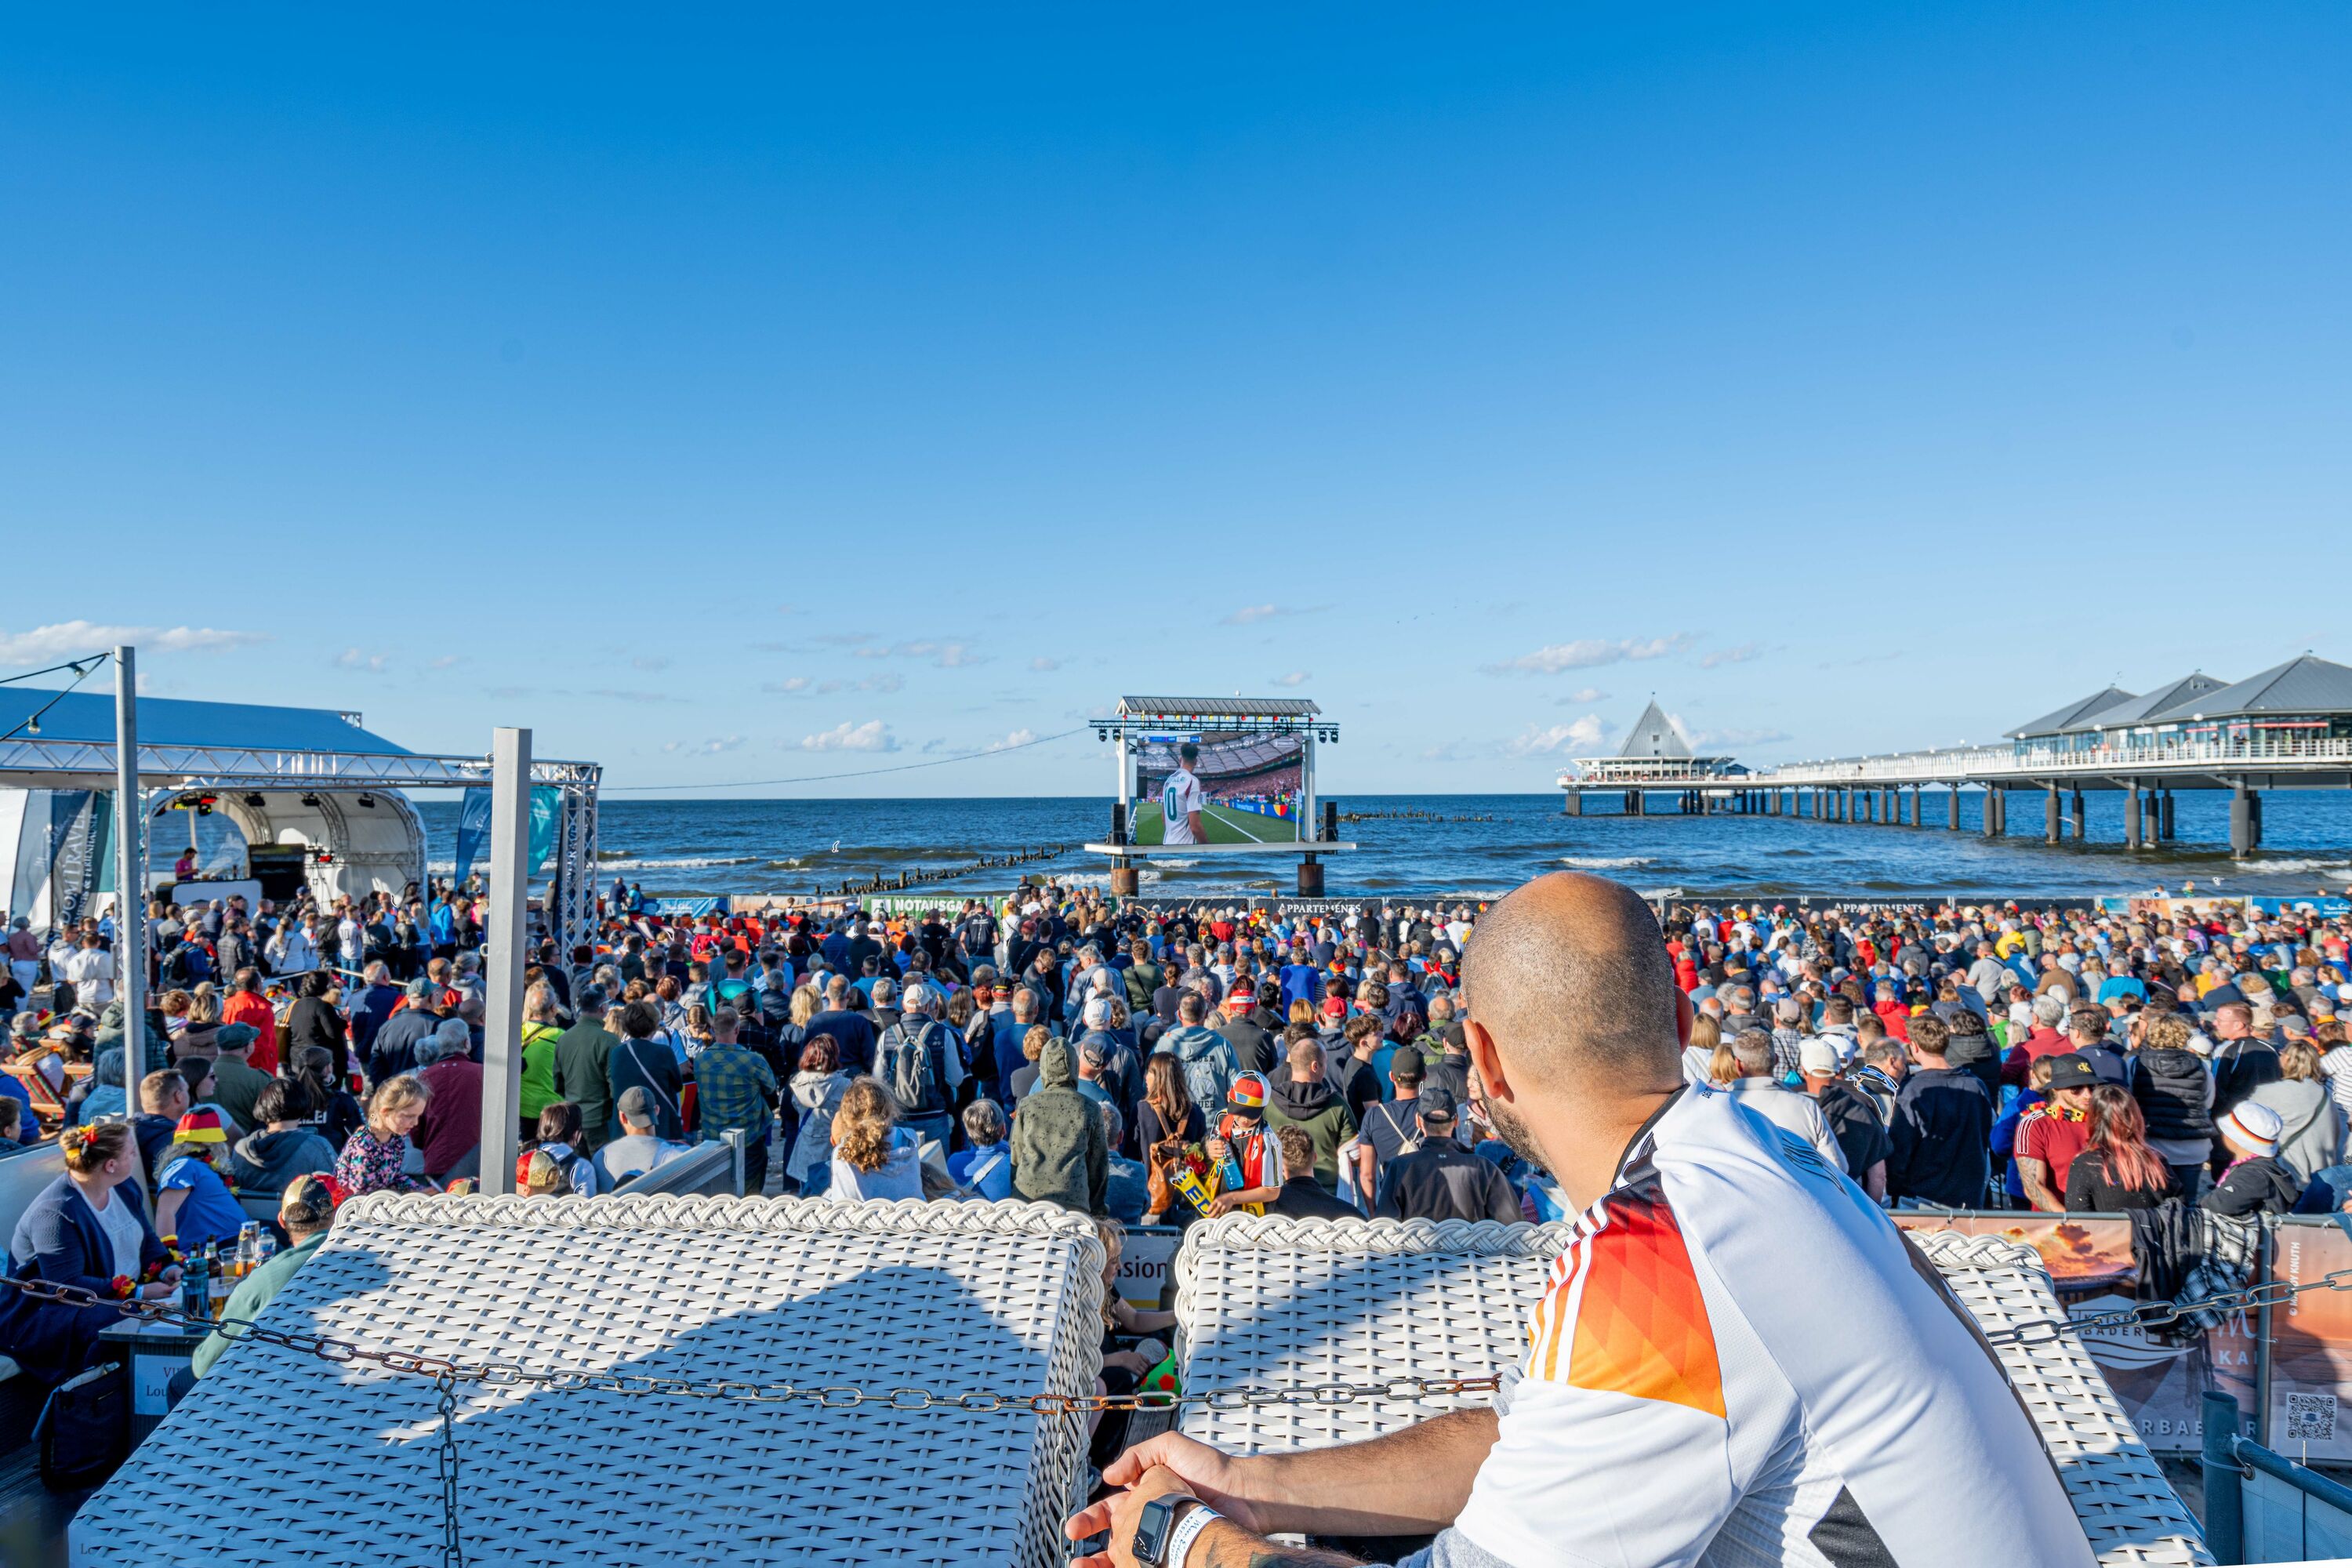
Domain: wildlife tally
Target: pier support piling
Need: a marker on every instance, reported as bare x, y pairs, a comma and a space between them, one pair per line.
2080, 820
2132, 825
1310, 876
2164, 819
1993, 811
2241, 821
2051, 831
1952, 809
1574, 806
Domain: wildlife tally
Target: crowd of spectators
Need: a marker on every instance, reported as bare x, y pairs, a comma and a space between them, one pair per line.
1155, 1064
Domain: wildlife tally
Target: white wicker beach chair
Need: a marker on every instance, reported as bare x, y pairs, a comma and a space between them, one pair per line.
1273, 1302
280, 1458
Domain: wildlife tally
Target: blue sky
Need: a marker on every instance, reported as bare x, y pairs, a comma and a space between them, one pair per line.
750, 395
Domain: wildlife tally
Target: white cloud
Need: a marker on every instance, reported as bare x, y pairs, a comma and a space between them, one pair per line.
889, 680
1295, 677
1018, 738
1250, 614
705, 748
651, 664
446, 661
786, 687
352, 659
1701, 738
1581, 735
1739, 655
610, 694
945, 655
1590, 653
72, 639
1041, 663
1584, 694
871, 736
1451, 752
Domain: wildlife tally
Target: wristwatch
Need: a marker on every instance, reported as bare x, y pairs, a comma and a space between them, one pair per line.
1156, 1526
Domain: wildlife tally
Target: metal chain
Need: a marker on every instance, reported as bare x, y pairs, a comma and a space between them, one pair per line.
453, 1550
2159, 1314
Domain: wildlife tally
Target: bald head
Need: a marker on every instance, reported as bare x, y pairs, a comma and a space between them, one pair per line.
1570, 976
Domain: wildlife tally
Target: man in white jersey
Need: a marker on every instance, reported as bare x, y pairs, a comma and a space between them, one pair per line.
1180, 800
1738, 1361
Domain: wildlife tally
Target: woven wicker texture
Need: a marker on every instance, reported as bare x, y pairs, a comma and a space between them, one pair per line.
279, 1457
1277, 1303
2127, 1508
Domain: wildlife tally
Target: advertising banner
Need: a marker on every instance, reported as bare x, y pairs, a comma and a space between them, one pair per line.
1144, 1261
2160, 1381
2311, 1344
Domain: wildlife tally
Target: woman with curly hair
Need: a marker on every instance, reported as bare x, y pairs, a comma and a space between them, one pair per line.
872, 1157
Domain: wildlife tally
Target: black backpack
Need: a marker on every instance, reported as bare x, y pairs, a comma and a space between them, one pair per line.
905, 1068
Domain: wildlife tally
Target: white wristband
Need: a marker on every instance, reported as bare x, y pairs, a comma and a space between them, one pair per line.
1187, 1531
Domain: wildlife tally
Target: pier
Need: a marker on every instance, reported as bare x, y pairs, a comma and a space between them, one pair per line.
2288, 728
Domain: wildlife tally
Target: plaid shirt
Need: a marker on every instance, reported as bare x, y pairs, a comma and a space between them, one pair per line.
734, 1087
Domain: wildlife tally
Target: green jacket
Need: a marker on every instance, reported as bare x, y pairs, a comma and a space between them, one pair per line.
583, 1076
253, 1295
1142, 981
1060, 1154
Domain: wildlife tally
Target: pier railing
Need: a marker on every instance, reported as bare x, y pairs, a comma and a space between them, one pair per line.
2002, 763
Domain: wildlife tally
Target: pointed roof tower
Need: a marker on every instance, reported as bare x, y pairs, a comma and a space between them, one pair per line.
1654, 735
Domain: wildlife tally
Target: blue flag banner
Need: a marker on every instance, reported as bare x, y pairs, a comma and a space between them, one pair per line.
473, 826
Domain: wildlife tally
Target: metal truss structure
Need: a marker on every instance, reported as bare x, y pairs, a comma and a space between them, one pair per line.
38, 762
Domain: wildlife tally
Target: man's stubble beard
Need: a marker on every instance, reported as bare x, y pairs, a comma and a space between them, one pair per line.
1516, 1133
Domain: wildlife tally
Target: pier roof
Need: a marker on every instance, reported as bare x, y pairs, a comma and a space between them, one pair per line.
2055, 722
2183, 694
1656, 736
2305, 685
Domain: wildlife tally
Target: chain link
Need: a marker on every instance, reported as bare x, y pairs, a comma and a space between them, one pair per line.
2162, 1314
445, 1459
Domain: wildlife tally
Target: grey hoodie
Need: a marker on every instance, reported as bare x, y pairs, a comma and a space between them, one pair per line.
263, 1162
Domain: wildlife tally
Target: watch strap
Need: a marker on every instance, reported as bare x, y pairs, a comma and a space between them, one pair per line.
1196, 1519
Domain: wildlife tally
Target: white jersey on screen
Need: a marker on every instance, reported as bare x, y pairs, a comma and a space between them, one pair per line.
1740, 1361
1180, 797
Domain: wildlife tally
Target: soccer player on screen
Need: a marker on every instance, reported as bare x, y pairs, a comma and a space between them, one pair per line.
1180, 800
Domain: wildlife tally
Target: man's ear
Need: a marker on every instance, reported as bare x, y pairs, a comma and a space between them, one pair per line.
1683, 1016
1487, 1061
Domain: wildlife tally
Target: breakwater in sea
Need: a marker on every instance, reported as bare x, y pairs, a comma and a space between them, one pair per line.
1441, 842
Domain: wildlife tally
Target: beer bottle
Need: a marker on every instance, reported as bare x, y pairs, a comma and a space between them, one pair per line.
248, 1247
217, 1280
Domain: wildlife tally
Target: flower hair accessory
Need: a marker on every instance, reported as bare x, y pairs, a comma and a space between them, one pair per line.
74, 1139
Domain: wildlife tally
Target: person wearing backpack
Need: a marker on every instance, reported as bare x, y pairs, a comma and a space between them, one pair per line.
920, 1064
1391, 1128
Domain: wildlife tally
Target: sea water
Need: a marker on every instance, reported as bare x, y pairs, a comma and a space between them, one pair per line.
1476, 844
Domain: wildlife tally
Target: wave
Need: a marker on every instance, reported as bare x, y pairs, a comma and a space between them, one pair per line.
2327, 867
1605, 862
693, 863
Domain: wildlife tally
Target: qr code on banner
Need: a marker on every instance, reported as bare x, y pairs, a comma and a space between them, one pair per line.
2310, 1417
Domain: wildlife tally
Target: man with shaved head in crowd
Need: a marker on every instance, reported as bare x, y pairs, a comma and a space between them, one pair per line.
1738, 1351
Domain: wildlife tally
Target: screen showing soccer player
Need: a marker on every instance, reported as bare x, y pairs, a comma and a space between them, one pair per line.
1217, 788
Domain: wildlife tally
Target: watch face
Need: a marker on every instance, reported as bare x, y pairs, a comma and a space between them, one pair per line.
1151, 1532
